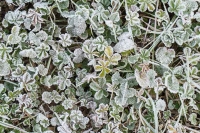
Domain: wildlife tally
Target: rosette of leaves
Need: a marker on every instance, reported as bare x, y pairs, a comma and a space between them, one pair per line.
78, 120
167, 38
112, 58
164, 55
179, 36
147, 4
15, 17
101, 13
68, 103
99, 88
42, 50
27, 81
35, 17
133, 18
176, 6
63, 80
161, 15
100, 43
102, 67
65, 40
89, 50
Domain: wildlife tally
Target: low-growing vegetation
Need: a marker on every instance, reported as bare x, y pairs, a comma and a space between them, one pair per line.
100, 66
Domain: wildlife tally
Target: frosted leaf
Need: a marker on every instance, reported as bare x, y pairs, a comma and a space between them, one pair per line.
43, 120
192, 118
42, 35
42, 70
4, 52
24, 100
54, 121
68, 104
100, 43
65, 40
47, 97
159, 85
4, 68
125, 35
133, 18
141, 78
124, 44
167, 38
164, 55
56, 97
14, 38
1, 88
42, 51
76, 116
15, 17
151, 74
112, 58
109, 23
176, 6
79, 55
63, 80
64, 128
160, 105
172, 83
77, 26
83, 12
123, 94
29, 53
36, 18
133, 58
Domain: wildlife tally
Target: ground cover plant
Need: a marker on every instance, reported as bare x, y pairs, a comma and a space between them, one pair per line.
99, 66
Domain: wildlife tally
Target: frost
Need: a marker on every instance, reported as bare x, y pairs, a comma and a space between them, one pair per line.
164, 55
79, 56
5, 68
30, 53
124, 44
160, 105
